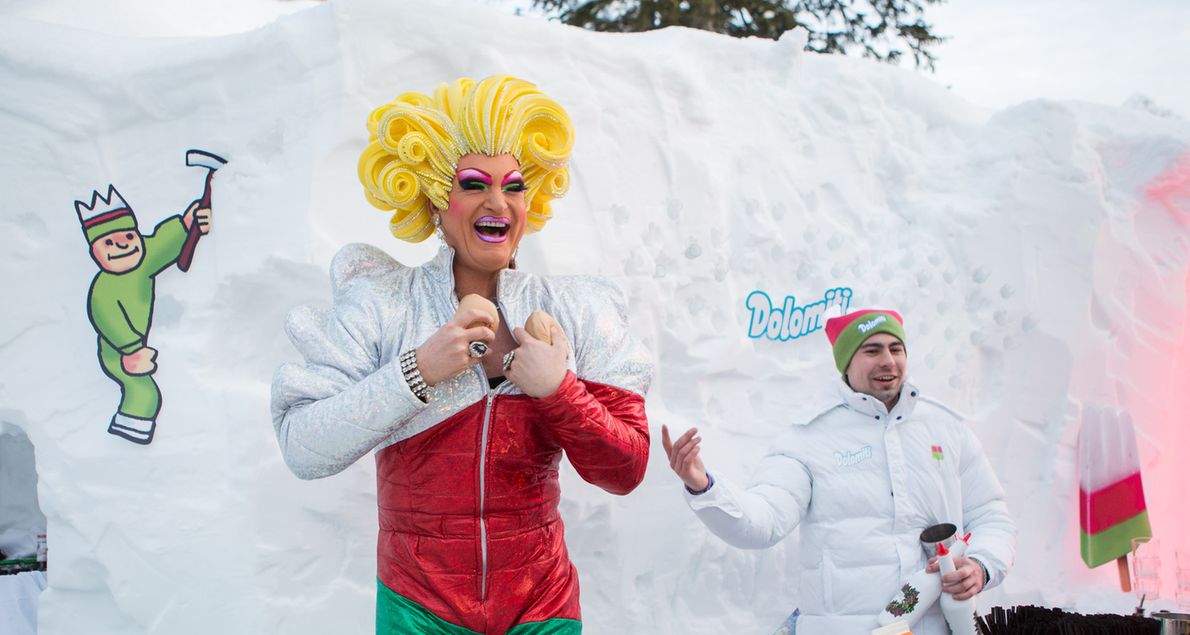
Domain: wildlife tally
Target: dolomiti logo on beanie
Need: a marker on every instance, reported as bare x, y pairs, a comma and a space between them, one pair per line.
864, 327
848, 332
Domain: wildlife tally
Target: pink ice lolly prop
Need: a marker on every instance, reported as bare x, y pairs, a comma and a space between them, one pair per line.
1111, 500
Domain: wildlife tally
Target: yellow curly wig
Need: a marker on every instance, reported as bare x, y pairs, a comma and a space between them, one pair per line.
416, 141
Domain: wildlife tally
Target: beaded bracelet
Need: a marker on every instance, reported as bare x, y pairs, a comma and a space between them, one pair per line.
987, 576
413, 375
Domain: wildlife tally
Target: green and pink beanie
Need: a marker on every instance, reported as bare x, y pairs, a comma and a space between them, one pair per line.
848, 332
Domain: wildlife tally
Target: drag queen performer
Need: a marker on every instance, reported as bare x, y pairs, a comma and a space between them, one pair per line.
468, 422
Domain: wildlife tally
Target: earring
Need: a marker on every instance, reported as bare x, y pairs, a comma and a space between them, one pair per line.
438, 227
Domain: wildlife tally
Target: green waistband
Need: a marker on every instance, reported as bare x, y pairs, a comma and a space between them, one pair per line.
397, 615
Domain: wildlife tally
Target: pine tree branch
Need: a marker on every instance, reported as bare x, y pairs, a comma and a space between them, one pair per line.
883, 30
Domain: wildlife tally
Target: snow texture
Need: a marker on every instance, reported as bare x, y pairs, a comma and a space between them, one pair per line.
1039, 254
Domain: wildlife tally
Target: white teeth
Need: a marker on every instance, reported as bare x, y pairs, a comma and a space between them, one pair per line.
492, 224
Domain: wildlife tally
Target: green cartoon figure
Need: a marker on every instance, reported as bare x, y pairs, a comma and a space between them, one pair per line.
120, 301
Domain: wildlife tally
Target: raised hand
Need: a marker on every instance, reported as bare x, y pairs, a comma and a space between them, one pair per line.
195, 214
684, 458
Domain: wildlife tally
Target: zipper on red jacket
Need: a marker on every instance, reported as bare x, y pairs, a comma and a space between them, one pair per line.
483, 464
489, 398
489, 402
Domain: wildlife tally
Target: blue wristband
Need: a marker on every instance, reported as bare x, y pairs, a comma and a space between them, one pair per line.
710, 482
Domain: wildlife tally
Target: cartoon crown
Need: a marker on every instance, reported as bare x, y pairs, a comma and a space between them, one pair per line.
105, 214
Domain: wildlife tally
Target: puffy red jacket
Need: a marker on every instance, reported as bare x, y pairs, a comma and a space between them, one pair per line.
469, 523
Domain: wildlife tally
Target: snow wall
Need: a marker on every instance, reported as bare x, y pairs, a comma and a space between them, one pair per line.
1039, 254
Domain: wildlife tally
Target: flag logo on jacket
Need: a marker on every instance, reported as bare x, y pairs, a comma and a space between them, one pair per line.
936, 450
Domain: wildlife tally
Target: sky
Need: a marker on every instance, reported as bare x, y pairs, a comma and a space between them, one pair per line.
1004, 52
1001, 52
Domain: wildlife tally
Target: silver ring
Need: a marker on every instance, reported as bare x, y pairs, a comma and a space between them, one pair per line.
477, 349
508, 360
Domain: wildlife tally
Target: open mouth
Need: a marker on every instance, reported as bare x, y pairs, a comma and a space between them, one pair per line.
885, 378
492, 229
123, 255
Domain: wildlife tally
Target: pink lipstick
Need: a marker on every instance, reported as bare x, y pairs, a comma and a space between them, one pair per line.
492, 229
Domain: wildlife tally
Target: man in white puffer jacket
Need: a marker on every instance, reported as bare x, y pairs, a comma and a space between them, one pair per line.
862, 478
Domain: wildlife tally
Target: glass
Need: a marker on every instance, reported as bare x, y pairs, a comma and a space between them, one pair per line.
1146, 568
944, 533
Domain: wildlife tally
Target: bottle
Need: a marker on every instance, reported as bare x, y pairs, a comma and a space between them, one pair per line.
917, 594
960, 614
42, 552
960, 546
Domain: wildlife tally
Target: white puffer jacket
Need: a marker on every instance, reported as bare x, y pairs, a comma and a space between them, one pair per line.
863, 482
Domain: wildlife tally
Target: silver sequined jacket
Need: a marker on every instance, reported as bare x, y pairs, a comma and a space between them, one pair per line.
350, 397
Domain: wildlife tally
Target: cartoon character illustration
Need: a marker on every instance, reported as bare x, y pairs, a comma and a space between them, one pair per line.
120, 301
